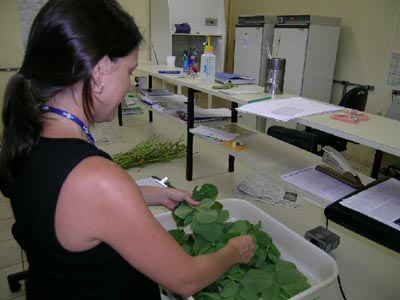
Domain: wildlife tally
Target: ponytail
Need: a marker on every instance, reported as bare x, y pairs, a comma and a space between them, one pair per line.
21, 125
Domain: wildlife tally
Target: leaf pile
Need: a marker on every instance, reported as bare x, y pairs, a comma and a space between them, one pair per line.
150, 151
267, 276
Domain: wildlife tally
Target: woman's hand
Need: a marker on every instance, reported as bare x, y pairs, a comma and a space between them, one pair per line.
167, 197
244, 246
173, 197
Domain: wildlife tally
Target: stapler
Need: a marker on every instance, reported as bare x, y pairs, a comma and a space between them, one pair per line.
337, 167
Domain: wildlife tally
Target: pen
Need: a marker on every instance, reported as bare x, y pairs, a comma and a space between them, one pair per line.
261, 99
169, 72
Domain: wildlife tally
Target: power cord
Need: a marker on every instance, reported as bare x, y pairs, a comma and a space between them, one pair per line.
338, 277
341, 288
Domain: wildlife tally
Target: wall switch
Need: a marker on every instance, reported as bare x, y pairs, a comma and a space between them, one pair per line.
211, 22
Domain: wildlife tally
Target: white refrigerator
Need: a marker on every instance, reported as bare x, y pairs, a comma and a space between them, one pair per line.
251, 52
309, 45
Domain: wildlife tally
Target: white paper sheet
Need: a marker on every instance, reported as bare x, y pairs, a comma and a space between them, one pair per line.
214, 133
150, 181
239, 92
319, 183
380, 202
287, 109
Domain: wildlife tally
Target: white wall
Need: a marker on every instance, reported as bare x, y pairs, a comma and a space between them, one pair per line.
11, 49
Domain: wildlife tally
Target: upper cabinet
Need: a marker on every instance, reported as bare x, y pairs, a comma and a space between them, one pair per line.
205, 17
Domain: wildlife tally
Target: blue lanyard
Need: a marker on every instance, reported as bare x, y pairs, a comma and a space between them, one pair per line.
71, 117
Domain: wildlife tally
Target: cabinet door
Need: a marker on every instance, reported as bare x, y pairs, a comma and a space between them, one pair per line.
248, 43
291, 44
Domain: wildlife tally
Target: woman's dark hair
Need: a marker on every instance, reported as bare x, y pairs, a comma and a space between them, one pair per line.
66, 41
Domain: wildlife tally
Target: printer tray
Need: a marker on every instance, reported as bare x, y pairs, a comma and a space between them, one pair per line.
362, 224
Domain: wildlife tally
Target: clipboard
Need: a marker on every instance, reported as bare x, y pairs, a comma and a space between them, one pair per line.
363, 225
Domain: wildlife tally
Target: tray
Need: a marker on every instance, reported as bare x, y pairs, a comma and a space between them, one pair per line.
320, 268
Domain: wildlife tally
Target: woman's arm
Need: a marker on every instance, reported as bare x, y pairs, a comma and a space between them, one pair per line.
112, 210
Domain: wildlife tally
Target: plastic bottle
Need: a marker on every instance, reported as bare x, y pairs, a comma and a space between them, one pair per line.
207, 62
185, 62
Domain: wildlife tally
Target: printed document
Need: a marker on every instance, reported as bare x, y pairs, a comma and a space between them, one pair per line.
318, 183
380, 202
288, 109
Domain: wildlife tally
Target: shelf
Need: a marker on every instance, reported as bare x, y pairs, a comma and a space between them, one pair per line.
197, 34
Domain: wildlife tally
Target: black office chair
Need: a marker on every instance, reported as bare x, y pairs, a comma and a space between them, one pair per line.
313, 140
302, 139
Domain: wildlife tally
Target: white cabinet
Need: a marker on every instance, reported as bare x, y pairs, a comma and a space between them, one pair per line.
206, 17
309, 44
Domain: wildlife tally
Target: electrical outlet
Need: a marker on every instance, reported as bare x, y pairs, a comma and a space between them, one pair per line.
211, 22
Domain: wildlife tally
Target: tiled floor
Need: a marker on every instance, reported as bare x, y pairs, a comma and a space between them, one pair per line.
10, 252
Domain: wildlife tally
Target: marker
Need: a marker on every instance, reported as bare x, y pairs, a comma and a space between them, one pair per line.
169, 72
261, 99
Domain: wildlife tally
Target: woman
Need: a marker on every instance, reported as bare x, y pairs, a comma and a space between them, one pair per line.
84, 223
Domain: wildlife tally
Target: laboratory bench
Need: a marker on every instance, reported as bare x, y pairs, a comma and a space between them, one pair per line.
378, 132
367, 270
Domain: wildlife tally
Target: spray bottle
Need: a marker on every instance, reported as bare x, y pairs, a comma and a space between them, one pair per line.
207, 62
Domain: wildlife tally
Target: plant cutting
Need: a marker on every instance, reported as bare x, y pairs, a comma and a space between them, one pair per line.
206, 228
150, 151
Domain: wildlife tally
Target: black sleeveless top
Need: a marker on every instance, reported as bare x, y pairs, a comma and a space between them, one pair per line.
54, 272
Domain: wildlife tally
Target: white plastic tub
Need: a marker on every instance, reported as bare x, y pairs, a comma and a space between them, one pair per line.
320, 269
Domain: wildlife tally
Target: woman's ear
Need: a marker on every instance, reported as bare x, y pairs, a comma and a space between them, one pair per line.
102, 68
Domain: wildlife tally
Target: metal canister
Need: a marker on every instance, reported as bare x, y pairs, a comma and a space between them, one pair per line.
275, 75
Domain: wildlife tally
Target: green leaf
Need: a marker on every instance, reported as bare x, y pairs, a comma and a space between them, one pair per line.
207, 296
295, 288
272, 293
187, 248
182, 211
207, 190
259, 258
206, 203
179, 235
206, 216
263, 239
259, 280
201, 246
286, 273
210, 232
248, 293
217, 206
188, 220
240, 227
223, 216
273, 250
229, 290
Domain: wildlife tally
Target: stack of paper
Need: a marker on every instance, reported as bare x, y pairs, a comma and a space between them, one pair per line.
170, 104
288, 109
130, 105
214, 134
150, 97
205, 115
